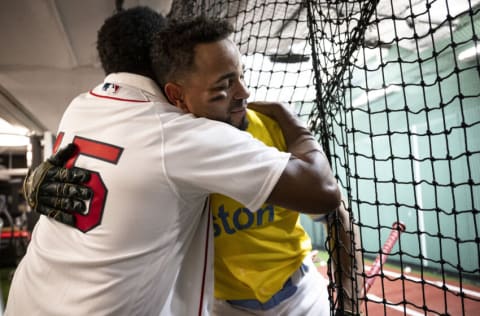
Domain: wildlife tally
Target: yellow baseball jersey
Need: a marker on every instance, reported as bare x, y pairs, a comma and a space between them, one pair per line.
256, 252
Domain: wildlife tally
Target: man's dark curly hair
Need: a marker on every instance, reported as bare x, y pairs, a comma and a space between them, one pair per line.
173, 48
125, 39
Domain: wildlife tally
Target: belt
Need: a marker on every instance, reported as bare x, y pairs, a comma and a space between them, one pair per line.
289, 288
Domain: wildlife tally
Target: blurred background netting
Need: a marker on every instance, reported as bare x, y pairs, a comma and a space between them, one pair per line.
392, 91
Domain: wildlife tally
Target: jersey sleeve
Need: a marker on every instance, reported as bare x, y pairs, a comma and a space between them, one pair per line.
206, 156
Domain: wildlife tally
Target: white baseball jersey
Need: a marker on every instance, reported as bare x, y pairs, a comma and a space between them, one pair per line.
144, 247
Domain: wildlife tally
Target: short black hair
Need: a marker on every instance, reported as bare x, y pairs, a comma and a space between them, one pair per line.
125, 39
173, 48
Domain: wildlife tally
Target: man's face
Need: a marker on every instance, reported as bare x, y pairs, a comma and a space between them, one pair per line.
215, 88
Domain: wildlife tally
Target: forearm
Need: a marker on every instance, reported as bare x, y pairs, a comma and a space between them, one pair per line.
346, 258
307, 182
300, 142
303, 146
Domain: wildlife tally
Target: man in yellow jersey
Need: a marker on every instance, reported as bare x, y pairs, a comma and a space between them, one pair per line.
262, 260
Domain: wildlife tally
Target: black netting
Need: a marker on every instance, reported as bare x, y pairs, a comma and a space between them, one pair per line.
392, 90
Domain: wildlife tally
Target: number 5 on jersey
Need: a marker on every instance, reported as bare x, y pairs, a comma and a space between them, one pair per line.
96, 150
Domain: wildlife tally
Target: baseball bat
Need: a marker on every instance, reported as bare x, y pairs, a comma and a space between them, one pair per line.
397, 228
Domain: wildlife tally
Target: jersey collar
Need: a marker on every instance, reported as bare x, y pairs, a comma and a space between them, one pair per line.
140, 82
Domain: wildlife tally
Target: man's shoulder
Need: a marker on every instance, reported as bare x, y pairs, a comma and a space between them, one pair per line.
190, 122
258, 120
265, 129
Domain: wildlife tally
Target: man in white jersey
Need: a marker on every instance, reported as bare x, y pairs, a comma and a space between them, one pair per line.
153, 167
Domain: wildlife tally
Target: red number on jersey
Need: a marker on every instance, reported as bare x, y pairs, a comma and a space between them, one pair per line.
94, 149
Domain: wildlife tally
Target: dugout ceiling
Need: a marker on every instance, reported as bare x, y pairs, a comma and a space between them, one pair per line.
48, 52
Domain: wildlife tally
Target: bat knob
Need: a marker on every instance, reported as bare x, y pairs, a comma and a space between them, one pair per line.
399, 226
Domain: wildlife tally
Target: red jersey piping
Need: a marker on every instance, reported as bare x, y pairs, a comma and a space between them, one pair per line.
114, 98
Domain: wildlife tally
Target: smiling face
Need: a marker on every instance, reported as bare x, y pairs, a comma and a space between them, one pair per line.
214, 87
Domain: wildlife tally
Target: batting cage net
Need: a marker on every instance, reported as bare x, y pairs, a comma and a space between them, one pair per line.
392, 90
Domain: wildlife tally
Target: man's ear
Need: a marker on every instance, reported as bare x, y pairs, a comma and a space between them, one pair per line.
174, 95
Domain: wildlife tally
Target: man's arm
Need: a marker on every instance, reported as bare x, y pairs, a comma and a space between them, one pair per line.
346, 258
307, 183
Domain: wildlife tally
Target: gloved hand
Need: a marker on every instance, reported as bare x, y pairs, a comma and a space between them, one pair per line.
54, 191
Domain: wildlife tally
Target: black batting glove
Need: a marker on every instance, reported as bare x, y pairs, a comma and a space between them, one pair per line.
57, 192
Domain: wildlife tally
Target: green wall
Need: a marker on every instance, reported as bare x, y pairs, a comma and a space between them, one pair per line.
436, 142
